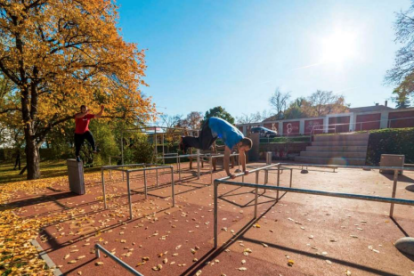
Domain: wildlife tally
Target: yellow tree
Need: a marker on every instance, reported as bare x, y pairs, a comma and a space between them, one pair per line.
61, 54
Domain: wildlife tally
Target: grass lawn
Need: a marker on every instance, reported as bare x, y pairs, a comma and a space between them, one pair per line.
47, 169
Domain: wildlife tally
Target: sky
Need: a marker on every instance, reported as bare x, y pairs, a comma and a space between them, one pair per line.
235, 53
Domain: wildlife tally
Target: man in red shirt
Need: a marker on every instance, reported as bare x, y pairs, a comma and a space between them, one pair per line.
82, 131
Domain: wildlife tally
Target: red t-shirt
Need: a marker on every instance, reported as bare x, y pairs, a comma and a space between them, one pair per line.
81, 124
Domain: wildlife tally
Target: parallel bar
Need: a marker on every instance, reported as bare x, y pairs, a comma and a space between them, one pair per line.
278, 181
99, 248
291, 174
316, 192
350, 167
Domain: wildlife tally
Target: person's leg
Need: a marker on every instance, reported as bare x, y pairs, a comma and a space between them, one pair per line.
89, 137
78, 143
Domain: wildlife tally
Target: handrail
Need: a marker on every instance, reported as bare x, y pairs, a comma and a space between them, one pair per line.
99, 248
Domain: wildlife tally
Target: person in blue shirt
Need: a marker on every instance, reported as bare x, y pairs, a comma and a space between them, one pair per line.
214, 128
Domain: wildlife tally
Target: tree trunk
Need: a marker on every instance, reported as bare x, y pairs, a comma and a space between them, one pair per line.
32, 158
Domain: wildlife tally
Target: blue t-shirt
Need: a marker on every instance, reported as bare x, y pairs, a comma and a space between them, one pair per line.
224, 130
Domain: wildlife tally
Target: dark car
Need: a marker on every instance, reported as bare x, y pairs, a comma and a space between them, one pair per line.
264, 132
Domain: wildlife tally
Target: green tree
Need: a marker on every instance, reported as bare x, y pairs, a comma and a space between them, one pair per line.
219, 112
402, 74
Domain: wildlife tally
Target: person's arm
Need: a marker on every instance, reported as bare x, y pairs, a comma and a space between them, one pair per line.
81, 115
226, 162
100, 112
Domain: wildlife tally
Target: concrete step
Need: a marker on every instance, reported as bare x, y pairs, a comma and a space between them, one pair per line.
340, 143
342, 137
337, 148
330, 161
331, 154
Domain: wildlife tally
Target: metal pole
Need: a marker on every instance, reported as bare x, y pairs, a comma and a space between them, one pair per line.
215, 213
278, 181
198, 164
179, 168
211, 168
172, 185
256, 193
394, 190
156, 176
291, 173
129, 196
98, 248
145, 184
103, 187
177, 162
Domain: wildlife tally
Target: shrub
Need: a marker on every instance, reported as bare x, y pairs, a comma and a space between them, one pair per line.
390, 141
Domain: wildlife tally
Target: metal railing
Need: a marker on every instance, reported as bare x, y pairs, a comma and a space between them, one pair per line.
128, 172
225, 180
211, 157
99, 248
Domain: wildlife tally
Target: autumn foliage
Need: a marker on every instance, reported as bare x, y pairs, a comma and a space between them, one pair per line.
60, 54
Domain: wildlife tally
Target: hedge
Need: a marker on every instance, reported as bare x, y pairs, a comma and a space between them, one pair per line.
390, 141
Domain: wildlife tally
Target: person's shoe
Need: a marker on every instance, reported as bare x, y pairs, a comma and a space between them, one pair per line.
78, 158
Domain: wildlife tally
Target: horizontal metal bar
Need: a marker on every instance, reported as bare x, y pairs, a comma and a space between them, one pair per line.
251, 171
117, 166
316, 192
350, 167
116, 259
149, 168
222, 155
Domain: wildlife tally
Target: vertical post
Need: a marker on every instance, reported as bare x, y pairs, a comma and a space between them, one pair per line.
215, 213
394, 190
198, 164
156, 176
129, 196
179, 168
172, 185
291, 174
97, 251
255, 195
177, 162
211, 168
145, 183
278, 182
103, 186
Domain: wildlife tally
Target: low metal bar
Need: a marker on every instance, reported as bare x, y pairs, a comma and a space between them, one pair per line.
295, 190
198, 164
350, 167
394, 191
317, 192
99, 248
129, 195
291, 174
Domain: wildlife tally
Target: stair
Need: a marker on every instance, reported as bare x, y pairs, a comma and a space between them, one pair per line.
339, 149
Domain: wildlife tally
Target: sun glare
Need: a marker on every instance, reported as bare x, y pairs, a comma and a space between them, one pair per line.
338, 48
